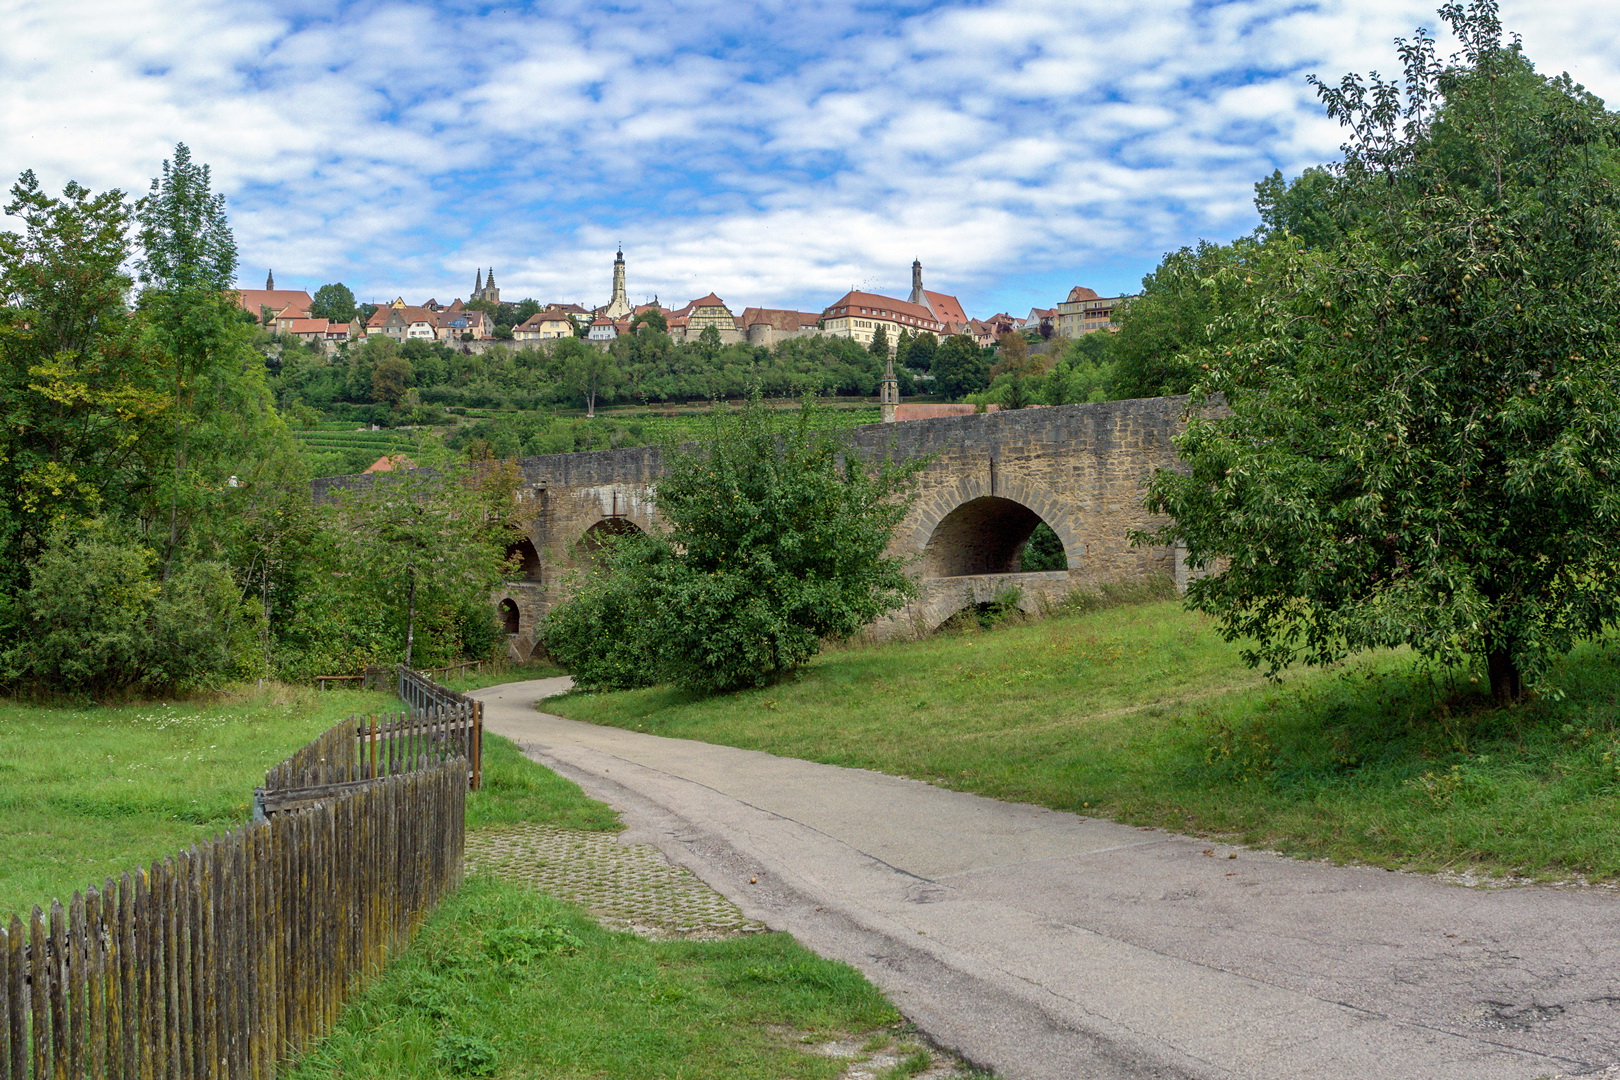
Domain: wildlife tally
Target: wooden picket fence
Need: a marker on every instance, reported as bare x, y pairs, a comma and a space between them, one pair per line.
240, 951
355, 752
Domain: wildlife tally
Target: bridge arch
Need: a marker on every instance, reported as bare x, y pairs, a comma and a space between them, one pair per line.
588, 548
523, 559
981, 525
511, 619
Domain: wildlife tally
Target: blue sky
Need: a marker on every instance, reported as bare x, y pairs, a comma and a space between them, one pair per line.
777, 152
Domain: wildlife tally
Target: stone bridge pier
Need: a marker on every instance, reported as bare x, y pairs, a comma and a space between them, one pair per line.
990, 481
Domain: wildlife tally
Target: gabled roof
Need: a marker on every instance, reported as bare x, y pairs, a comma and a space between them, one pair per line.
1080, 292
777, 318
706, 301
309, 326
872, 302
946, 308
255, 300
539, 318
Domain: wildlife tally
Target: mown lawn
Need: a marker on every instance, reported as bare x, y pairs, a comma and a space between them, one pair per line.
87, 793
1143, 714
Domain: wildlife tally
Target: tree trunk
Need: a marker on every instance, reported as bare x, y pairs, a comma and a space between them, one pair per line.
1507, 684
410, 619
590, 404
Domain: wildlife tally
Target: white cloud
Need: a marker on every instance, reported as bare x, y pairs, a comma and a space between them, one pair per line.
773, 151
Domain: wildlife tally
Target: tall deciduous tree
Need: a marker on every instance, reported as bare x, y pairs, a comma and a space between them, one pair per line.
959, 367
81, 402
222, 410
419, 546
333, 301
1423, 444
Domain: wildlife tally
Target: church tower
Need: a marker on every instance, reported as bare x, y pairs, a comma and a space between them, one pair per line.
491, 293
917, 296
889, 392
478, 285
619, 306
270, 281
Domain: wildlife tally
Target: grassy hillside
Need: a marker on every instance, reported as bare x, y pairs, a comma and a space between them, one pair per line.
1144, 715
87, 793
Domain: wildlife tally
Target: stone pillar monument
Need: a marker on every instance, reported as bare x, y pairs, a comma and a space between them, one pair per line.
889, 392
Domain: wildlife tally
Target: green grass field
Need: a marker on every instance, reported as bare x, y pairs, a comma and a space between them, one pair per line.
87, 793
1143, 714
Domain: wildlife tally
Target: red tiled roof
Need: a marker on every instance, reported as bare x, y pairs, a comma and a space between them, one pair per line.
872, 303
409, 314
533, 322
254, 300
777, 318
707, 301
947, 309
309, 326
1080, 292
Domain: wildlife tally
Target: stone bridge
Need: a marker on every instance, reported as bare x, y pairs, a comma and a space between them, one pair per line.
993, 479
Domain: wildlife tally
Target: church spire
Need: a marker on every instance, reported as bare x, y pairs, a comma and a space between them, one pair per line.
916, 283
270, 280
489, 279
478, 284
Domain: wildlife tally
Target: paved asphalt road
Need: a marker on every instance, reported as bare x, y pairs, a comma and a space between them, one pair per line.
1048, 946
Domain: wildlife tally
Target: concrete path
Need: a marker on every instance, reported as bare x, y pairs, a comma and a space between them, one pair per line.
1048, 946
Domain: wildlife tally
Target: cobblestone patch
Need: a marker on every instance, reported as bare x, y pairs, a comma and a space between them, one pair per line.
626, 886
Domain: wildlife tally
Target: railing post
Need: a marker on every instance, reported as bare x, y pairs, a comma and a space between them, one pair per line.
476, 751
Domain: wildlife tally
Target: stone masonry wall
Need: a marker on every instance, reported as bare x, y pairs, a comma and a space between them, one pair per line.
1081, 468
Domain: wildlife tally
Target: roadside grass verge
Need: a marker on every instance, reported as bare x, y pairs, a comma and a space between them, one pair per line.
1143, 714
89, 792
528, 669
515, 790
505, 981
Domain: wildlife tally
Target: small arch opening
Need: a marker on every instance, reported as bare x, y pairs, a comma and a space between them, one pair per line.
507, 612
992, 535
601, 534
522, 560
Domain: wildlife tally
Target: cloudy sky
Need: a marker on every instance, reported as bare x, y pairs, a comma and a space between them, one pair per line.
777, 152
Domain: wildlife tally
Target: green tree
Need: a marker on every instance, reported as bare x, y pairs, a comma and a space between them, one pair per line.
776, 541
83, 404
223, 412
652, 318
920, 357
709, 343
333, 301
1180, 311
417, 546
589, 371
390, 378
960, 368
880, 342
1306, 207
1423, 443
1017, 393
96, 620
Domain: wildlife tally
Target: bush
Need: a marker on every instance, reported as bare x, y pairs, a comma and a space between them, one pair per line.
95, 619
776, 542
